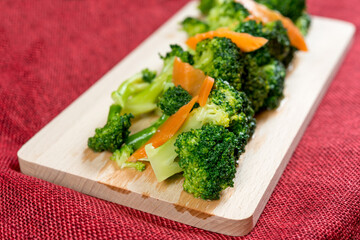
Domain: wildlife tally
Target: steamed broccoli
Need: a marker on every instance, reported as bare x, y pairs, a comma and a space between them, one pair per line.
226, 14
289, 8
279, 44
255, 86
206, 5
238, 106
274, 73
193, 26
173, 99
112, 135
145, 100
120, 156
208, 160
133, 85
264, 84
223, 108
170, 102
220, 58
303, 23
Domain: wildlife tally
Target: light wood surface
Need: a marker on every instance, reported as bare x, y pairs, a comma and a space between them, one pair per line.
59, 154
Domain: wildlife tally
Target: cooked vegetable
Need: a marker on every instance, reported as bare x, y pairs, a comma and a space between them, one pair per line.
112, 135
131, 86
121, 156
266, 15
208, 160
245, 42
193, 26
220, 58
235, 68
292, 9
274, 73
303, 23
173, 99
279, 44
187, 77
166, 130
226, 13
145, 100
205, 90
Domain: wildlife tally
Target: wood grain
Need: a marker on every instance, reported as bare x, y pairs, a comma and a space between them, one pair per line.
59, 154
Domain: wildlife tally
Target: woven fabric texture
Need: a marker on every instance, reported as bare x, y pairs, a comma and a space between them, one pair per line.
52, 51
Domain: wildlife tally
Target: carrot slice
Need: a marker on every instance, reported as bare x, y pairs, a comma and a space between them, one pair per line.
205, 90
244, 41
259, 11
188, 77
166, 130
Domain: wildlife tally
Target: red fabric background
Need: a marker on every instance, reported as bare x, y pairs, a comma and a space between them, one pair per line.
52, 51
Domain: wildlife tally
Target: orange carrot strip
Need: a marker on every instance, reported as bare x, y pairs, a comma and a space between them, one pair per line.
188, 77
205, 90
166, 130
246, 42
259, 11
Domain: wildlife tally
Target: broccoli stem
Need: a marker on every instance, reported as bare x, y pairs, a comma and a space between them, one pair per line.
138, 139
127, 88
113, 110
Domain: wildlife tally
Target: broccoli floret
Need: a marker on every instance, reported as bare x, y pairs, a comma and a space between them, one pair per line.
243, 126
173, 99
220, 58
121, 156
303, 23
255, 86
148, 75
207, 158
177, 51
170, 102
131, 86
237, 105
112, 135
227, 14
274, 73
289, 8
278, 46
206, 5
193, 26
145, 101
279, 43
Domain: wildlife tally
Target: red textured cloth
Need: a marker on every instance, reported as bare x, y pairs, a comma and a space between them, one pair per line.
52, 51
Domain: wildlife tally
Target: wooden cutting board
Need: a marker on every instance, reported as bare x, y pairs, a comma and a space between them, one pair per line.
59, 153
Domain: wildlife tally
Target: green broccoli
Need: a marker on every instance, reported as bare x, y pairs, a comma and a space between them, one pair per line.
206, 5
303, 23
207, 158
288, 8
112, 135
173, 99
222, 109
220, 58
254, 86
145, 100
133, 85
278, 46
279, 43
274, 73
120, 156
237, 105
226, 14
193, 26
